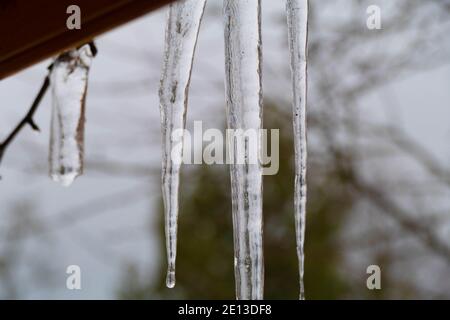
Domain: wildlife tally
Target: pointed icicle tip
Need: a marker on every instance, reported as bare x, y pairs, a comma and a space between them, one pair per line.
170, 279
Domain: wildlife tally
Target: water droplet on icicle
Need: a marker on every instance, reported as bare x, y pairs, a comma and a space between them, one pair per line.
181, 37
244, 111
297, 18
170, 279
68, 80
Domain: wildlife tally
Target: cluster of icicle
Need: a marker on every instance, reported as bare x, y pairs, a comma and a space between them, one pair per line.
68, 81
242, 24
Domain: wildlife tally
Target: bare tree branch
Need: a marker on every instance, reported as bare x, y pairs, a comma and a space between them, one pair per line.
404, 219
28, 119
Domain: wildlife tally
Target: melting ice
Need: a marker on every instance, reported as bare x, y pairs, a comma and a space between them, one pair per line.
181, 37
297, 18
244, 111
68, 80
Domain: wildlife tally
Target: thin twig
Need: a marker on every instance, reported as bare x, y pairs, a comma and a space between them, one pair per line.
93, 48
28, 119
402, 217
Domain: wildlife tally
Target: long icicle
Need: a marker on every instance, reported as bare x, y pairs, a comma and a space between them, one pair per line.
68, 80
181, 37
244, 112
297, 19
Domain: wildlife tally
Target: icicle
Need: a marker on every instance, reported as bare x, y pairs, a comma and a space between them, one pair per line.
244, 111
68, 79
181, 37
297, 18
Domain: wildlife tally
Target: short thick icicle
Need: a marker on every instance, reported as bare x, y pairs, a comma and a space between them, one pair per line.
244, 111
297, 18
181, 37
68, 80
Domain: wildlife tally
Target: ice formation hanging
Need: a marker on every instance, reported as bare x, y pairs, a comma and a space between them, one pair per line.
244, 111
242, 23
297, 19
181, 37
68, 81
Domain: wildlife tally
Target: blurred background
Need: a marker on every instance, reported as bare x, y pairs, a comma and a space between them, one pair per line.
379, 165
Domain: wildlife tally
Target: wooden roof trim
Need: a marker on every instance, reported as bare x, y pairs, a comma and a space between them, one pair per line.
31, 31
